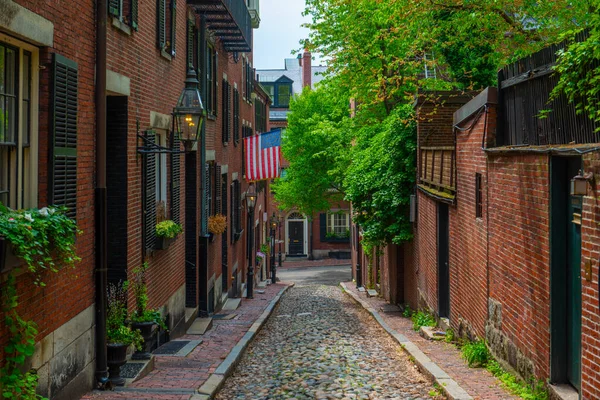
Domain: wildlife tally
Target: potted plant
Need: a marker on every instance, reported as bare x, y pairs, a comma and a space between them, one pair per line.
119, 336
42, 239
143, 319
217, 224
166, 232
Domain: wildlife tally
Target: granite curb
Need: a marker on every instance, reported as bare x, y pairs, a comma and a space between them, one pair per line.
450, 387
216, 380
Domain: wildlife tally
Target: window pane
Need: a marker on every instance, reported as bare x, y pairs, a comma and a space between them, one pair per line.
25, 122
4, 174
26, 75
270, 90
2, 68
284, 93
11, 119
11, 73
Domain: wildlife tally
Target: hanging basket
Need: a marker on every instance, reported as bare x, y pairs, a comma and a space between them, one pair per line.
217, 224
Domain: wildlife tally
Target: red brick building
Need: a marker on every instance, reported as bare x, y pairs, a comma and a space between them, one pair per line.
50, 63
503, 249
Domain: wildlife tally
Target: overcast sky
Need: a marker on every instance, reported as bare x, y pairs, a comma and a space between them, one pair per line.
279, 32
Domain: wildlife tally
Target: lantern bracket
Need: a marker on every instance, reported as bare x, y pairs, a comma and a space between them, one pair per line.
149, 147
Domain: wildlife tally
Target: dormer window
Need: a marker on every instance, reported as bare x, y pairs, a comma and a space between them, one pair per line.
280, 91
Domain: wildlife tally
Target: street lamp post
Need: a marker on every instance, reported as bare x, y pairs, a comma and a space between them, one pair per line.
274, 223
250, 203
279, 227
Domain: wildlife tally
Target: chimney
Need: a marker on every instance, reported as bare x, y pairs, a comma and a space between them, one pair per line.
306, 69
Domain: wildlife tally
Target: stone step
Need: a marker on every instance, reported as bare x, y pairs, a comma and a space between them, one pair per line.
135, 370
371, 292
200, 326
231, 304
432, 333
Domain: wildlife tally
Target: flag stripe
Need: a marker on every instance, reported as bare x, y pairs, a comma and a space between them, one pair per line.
263, 156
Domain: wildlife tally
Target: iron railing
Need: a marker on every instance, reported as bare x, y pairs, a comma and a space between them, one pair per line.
229, 20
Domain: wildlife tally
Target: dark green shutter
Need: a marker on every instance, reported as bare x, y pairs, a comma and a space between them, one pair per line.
63, 185
226, 119
176, 182
149, 193
173, 26
215, 82
323, 227
209, 189
160, 24
113, 8
199, 56
206, 184
190, 43
133, 11
218, 209
236, 117
233, 212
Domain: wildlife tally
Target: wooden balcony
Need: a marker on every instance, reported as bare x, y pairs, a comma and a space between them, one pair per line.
229, 20
437, 172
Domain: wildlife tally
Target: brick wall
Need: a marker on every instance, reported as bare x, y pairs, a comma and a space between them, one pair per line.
425, 245
590, 313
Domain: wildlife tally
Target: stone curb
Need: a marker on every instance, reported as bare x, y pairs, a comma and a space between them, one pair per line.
450, 387
216, 380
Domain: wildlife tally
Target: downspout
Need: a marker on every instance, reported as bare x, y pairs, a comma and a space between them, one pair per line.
101, 208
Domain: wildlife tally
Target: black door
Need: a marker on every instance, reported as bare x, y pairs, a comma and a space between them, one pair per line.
296, 238
443, 239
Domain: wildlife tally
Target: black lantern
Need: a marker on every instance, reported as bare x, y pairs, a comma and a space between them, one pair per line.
274, 221
251, 197
189, 113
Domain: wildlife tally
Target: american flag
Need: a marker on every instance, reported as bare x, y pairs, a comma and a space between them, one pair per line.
263, 156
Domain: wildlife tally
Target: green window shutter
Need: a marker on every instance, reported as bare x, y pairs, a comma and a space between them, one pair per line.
322, 227
215, 81
63, 185
206, 185
209, 188
218, 189
233, 212
173, 26
133, 14
149, 193
176, 182
190, 43
160, 24
225, 99
113, 8
199, 56
236, 117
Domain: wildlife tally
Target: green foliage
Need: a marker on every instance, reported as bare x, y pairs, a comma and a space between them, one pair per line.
450, 336
579, 67
168, 229
14, 383
117, 330
476, 353
140, 292
407, 313
265, 248
44, 238
534, 391
381, 178
423, 318
315, 144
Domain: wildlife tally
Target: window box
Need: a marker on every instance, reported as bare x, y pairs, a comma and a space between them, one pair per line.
163, 243
336, 240
8, 259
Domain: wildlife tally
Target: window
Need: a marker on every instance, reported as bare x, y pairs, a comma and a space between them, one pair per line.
18, 123
167, 18
280, 93
125, 11
260, 115
248, 81
192, 51
338, 224
236, 210
226, 98
161, 176
478, 196
211, 80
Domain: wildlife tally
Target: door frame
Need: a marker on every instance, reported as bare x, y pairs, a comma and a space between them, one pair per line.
287, 230
443, 215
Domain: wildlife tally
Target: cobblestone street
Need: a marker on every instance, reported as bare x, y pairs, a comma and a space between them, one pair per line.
319, 344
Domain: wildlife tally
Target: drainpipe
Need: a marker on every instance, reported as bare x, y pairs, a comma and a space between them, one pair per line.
101, 209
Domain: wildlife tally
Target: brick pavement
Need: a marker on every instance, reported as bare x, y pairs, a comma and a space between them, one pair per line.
327, 262
178, 378
478, 382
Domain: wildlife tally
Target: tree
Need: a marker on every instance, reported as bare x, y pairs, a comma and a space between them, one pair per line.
315, 144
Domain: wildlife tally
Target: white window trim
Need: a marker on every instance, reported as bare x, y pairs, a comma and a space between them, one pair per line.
161, 167
27, 196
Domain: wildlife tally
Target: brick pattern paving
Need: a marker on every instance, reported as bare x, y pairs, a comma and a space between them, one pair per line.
478, 382
177, 378
327, 262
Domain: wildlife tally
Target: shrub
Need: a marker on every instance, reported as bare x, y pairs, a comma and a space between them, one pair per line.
476, 353
422, 318
407, 313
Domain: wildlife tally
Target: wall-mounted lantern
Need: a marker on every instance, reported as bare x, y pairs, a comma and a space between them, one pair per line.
189, 113
579, 183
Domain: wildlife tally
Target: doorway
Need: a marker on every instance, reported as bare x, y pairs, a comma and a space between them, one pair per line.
443, 256
565, 273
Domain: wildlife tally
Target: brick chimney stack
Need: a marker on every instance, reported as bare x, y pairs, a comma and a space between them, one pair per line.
306, 69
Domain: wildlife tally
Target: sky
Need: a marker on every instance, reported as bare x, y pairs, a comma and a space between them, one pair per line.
279, 32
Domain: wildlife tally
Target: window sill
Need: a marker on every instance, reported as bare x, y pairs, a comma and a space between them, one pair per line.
166, 55
122, 26
336, 240
212, 117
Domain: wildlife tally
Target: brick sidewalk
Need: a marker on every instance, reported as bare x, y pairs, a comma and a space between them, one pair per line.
178, 378
478, 382
327, 262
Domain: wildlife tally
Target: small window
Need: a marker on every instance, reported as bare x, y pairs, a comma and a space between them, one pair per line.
338, 225
167, 13
161, 176
478, 196
125, 11
284, 93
